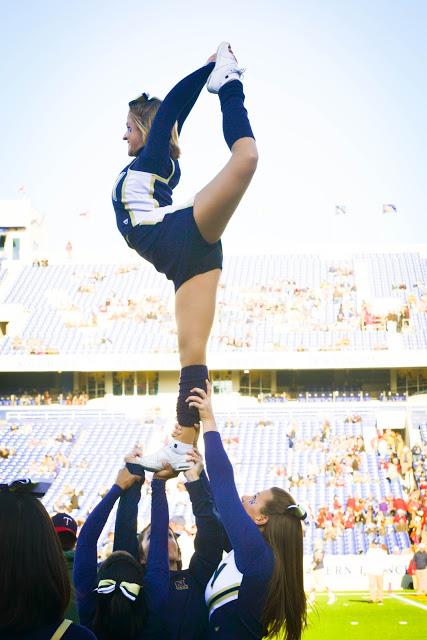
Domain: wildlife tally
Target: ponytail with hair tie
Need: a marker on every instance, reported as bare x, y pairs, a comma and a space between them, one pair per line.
141, 99
297, 511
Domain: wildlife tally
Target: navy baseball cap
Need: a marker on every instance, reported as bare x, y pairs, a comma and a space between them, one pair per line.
64, 523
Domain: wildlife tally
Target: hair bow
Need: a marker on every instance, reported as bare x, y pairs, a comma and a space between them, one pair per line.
129, 589
298, 511
26, 485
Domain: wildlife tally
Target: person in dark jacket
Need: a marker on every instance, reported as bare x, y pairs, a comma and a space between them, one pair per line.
420, 560
34, 583
66, 528
186, 614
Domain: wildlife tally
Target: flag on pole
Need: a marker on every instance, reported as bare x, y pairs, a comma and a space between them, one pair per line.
340, 210
389, 208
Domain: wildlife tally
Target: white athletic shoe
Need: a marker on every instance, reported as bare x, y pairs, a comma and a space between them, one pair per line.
226, 68
174, 453
332, 598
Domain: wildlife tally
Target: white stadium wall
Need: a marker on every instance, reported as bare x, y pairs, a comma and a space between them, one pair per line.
349, 573
217, 361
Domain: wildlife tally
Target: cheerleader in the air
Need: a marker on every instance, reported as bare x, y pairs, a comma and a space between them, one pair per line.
184, 241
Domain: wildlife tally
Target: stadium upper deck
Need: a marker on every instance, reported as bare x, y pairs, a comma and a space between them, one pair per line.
369, 309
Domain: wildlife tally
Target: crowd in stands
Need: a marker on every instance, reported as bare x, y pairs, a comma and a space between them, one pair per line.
37, 399
339, 464
406, 514
334, 396
318, 308
394, 321
49, 397
419, 462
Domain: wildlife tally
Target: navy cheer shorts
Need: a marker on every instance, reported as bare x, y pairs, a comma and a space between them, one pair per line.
176, 247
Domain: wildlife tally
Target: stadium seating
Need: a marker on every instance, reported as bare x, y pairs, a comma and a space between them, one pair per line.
265, 303
268, 444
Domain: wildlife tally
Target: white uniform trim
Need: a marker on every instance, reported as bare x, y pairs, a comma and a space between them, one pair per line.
157, 214
224, 585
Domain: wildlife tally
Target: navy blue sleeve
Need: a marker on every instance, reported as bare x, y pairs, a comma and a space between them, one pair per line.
208, 542
125, 531
225, 541
156, 580
86, 556
155, 156
186, 111
247, 541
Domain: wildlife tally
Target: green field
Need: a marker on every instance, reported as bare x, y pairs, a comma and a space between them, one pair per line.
353, 617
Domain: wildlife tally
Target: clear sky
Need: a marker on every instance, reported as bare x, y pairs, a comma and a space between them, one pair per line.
336, 92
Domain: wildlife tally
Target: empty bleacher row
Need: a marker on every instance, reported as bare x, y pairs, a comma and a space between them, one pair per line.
299, 449
265, 303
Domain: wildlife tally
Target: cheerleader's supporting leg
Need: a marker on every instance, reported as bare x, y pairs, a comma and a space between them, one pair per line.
174, 109
213, 207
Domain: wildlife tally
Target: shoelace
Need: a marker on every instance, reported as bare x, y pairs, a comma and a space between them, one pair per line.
238, 70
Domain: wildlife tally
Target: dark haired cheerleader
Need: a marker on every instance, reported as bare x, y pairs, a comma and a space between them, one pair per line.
185, 614
120, 600
34, 583
184, 242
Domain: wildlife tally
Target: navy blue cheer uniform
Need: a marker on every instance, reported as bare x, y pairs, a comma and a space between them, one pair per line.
236, 592
164, 234
156, 579
185, 614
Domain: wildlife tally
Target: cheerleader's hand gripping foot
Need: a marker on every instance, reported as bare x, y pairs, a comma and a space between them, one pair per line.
226, 68
174, 454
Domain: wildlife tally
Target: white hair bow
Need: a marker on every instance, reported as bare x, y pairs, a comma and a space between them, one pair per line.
129, 589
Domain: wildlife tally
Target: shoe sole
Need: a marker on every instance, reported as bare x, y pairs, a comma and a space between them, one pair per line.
183, 467
150, 468
179, 468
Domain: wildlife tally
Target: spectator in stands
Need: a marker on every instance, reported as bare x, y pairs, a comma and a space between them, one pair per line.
184, 539
318, 575
193, 264
34, 582
400, 521
420, 559
376, 564
416, 526
258, 587
186, 613
6, 452
66, 528
349, 520
118, 600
